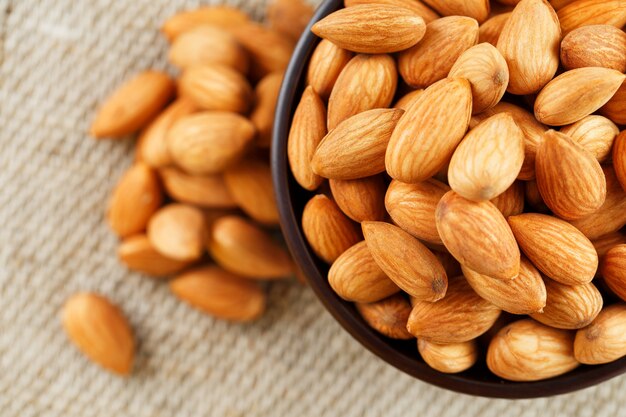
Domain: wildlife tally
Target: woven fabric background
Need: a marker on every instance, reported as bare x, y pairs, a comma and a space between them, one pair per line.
59, 58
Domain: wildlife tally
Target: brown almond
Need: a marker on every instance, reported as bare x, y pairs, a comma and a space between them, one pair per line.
449, 358
222, 16
607, 242
613, 270
592, 12
361, 199
450, 265
491, 29
619, 159
325, 65
595, 133
138, 254
511, 201
289, 17
559, 4
615, 108
178, 231
208, 191
594, 46
604, 340
415, 6
387, 316
407, 100
533, 197
262, 116
477, 9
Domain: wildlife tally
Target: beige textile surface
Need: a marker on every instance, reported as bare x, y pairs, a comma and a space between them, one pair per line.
59, 59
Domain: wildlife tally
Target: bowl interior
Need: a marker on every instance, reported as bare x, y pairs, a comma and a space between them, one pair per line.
478, 380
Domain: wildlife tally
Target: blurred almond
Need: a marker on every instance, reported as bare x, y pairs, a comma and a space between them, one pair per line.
511, 201
449, 358
289, 17
325, 65
406, 100
262, 116
592, 12
604, 340
615, 108
559, 4
491, 29
222, 16
387, 316
595, 133
138, 254
477, 9
178, 231
208, 191
619, 159
613, 270
361, 199
594, 46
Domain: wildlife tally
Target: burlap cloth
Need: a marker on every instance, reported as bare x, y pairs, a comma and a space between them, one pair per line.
59, 59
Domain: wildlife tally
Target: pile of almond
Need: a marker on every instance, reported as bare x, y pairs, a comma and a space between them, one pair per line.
197, 204
470, 177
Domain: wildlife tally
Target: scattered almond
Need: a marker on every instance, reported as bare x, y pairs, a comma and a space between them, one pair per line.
262, 116
289, 17
208, 191
222, 16
178, 231
138, 254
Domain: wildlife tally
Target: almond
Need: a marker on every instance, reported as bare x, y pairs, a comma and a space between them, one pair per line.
511, 201
607, 242
329, 232
491, 29
308, 128
100, 331
222, 16
613, 270
450, 265
356, 147
525, 294
478, 236
366, 82
133, 105
604, 340
619, 159
207, 191
325, 65
406, 100
569, 178
592, 12
289, 17
559, 4
488, 160
477, 9
529, 351
220, 293
421, 145
355, 276
135, 199
533, 197
178, 231
412, 207
361, 199
594, 46
459, 317
594, 133
449, 358
615, 108
406, 261
209, 142
138, 254
262, 116
387, 316
556, 248
576, 94
433, 57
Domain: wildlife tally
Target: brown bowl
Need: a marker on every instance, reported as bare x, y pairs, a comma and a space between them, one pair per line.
478, 380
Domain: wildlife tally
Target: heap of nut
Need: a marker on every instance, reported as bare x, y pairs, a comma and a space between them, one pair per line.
201, 179
480, 152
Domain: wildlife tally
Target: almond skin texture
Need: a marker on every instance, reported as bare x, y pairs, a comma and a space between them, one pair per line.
529, 351
450, 358
406, 100
178, 231
511, 202
327, 62
594, 46
530, 43
388, 316
569, 178
491, 29
355, 276
207, 191
415, 6
477, 9
135, 199
486, 70
615, 108
138, 254
595, 133
556, 248
308, 128
372, 28
433, 57
262, 116
605, 243
361, 199
478, 236
366, 82
329, 232
613, 270
209, 142
220, 293
576, 94
559, 4
459, 317
533, 197
619, 159
133, 105
525, 294
412, 207
406, 261
592, 12
488, 160
356, 147
604, 340
222, 16
100, 331
421, 145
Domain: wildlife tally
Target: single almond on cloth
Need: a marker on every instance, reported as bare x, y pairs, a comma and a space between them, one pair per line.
421, 145
329, 232
477, 9
216, 87
178, 231
592, 12
289, 17
262, 116
208, 45
488, 159
524, 294
207, 191
604, 340
406, 261
619, 159
138, 254
222, 16
433, 57
356, 147
529, 351
133, 105
449, 358
308, 128
511, 201
151, 145
366, 82
136, 197
615, 108
325, 65
387, 316
220, 293
100, 331
556, 248
613, 270
361, 199
533, 197
459, 317
478, 236
355, 276
594, 46
406, 100
576, 94
209, 142
569, 178
243, 248
595, 133
491, 29
412, 207
415, 6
